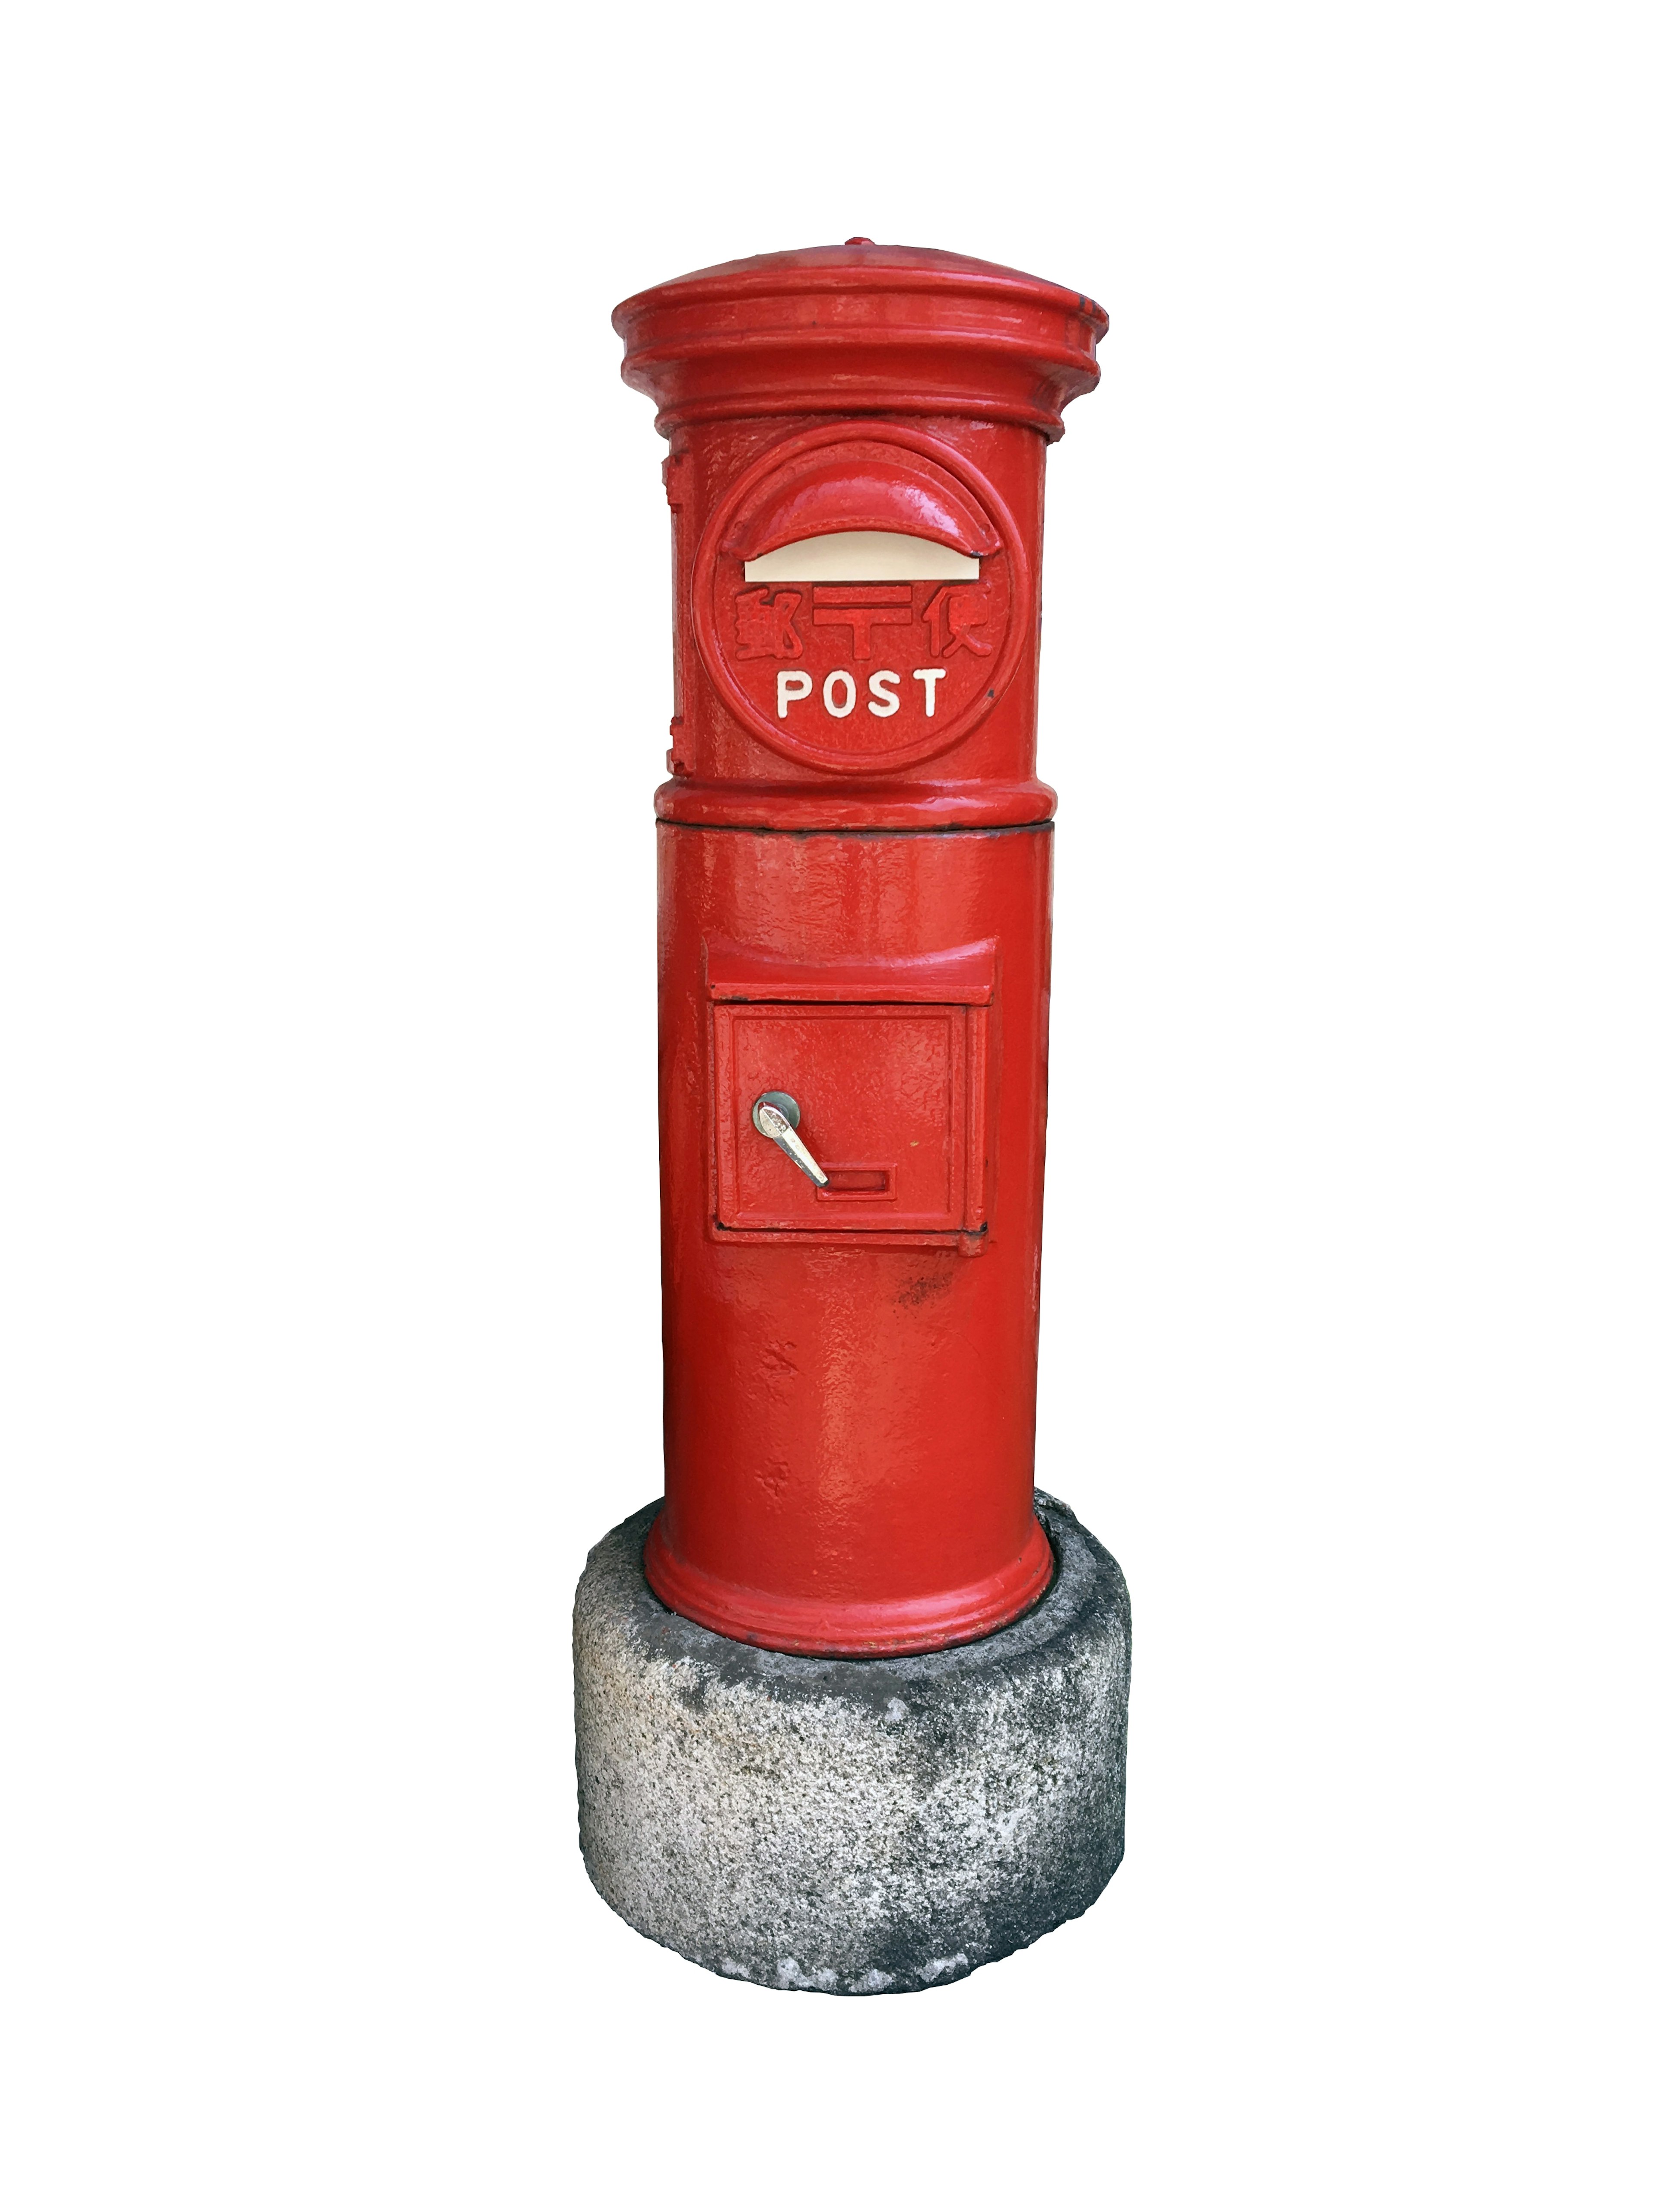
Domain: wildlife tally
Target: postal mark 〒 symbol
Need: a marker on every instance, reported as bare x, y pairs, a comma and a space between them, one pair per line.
859, 607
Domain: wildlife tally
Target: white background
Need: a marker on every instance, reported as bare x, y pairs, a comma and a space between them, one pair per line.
335, 689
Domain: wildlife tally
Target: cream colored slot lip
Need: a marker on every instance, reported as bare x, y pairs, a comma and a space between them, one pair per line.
862, 557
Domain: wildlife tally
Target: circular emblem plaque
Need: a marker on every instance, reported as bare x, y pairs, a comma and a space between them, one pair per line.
860, 597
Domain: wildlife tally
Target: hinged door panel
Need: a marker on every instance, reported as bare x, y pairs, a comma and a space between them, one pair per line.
886, 1097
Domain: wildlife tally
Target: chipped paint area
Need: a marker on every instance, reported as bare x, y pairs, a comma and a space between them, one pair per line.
851, 1828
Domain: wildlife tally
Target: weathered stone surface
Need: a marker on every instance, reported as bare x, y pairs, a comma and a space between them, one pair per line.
856, 1826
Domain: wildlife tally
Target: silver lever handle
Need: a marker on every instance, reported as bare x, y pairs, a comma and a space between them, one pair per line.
777, 1117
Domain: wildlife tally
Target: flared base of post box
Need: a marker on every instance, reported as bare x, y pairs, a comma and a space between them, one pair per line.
856, 1826
847, 1631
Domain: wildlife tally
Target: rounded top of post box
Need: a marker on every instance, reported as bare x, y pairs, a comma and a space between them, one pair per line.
860, 329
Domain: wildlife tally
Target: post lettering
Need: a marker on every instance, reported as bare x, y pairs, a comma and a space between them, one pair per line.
849, 692
884, 700
928, 677
796, 683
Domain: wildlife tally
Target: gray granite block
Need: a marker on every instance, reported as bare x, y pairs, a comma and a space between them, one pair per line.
857, 1826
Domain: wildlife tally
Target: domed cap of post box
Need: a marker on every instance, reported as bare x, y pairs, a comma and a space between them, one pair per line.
860, 329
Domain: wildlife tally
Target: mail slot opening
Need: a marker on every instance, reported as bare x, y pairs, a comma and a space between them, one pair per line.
862, 556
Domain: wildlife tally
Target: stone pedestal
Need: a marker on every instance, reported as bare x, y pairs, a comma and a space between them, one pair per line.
855, 1826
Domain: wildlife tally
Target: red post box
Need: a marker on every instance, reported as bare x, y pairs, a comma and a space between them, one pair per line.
854, 864
854, 910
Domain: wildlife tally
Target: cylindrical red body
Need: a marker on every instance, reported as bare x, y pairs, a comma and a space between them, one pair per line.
854, 897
